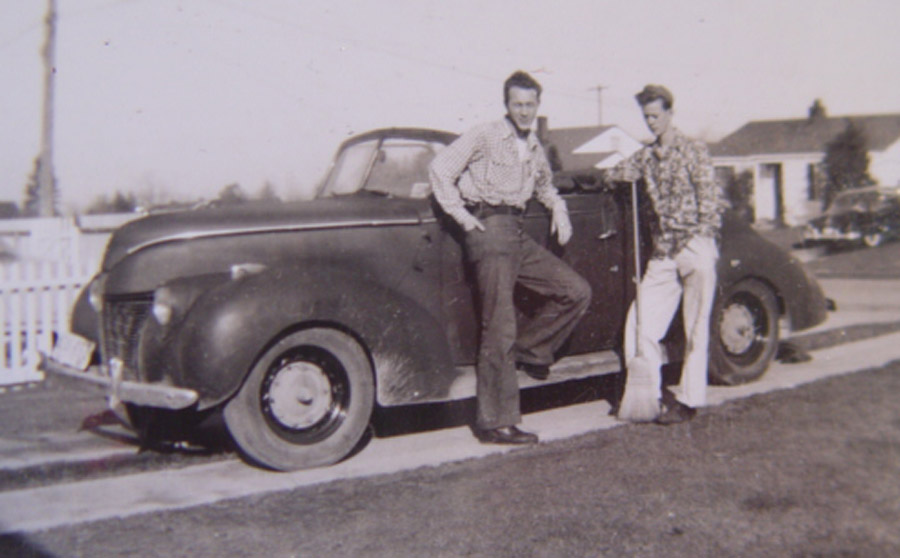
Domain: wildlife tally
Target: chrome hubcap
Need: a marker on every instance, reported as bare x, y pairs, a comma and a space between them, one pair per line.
738, 331
299, 395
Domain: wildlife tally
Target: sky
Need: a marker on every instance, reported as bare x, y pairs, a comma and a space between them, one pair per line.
175, 99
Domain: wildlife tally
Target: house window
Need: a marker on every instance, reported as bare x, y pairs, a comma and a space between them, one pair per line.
771, 177
815, 180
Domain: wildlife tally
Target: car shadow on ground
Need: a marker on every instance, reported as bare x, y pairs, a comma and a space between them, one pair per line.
395, 421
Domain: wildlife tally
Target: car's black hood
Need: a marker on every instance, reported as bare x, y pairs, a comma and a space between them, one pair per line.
254, 217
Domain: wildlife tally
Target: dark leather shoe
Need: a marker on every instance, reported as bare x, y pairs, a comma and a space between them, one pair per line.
536, 371
675, 412
504, 435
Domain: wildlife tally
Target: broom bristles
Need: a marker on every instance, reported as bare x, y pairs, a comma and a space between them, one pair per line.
640, 402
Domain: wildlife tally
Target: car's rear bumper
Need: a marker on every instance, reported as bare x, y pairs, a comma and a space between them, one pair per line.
108, 381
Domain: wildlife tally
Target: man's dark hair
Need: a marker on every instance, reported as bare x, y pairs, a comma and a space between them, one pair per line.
651, 93
523, 80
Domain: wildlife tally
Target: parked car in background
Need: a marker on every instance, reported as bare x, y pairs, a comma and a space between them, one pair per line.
296, 319
867, 216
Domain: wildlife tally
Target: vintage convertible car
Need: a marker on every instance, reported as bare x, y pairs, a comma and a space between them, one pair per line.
296, 319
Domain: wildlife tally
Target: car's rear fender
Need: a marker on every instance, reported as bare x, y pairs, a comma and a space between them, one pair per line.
227, 328
745, 254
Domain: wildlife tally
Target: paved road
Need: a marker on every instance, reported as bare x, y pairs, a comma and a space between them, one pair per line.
66, 504
861, 301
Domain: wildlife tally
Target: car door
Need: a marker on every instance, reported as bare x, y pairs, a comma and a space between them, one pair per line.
458, 292
597, 251
399, 173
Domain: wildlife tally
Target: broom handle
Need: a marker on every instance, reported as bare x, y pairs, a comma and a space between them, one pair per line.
637, 269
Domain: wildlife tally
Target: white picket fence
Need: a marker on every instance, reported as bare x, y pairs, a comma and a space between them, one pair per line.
36, 298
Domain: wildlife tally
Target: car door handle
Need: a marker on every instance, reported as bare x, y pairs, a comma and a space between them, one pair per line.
420, 257
606, 235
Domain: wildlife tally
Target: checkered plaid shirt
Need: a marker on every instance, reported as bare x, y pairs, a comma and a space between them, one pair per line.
679, 180
483, 165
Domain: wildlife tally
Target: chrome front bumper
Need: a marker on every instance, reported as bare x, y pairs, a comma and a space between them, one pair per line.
828, 233
108, 381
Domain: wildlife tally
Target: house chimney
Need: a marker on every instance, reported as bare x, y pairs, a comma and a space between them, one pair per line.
817, 110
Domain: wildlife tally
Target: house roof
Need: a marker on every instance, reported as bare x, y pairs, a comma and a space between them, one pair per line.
805, 135
577, 161
567, 140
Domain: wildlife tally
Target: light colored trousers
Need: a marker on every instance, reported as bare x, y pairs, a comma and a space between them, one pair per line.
691, 274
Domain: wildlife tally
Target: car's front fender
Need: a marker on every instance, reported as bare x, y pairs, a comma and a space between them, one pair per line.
227, 328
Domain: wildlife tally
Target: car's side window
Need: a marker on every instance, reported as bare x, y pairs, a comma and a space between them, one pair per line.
350, 169
401, 168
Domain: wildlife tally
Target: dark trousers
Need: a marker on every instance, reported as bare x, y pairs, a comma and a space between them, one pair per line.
504, 255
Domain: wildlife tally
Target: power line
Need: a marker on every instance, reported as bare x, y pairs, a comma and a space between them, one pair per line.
454, 68
15, 38
38, 24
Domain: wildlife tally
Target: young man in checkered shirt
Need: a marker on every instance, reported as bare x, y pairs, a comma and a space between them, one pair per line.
483, 180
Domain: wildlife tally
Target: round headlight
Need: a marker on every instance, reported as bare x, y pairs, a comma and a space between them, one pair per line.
163, 305
95, 292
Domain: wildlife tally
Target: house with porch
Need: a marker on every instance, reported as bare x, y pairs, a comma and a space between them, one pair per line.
785, 159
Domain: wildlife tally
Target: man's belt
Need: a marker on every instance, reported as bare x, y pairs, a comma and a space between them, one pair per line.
482, 210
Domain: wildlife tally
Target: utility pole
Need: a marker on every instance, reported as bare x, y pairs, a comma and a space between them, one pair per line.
599, 89
45, 179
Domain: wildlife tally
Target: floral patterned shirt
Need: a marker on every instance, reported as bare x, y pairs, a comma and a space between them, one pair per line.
679, 181
485, 165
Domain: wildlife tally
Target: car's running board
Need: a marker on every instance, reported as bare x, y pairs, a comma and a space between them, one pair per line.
568, 368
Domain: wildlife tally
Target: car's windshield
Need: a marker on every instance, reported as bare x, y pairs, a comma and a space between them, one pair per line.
396, 167
859, 201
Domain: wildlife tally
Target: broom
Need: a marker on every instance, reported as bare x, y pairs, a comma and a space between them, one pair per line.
640, 402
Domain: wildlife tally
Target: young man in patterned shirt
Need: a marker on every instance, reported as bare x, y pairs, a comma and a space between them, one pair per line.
678, 179
483, 180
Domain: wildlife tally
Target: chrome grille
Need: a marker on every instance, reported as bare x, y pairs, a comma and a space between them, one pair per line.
123, 318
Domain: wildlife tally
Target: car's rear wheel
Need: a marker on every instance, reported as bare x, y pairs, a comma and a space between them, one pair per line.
873, 239
307, 401
744, 335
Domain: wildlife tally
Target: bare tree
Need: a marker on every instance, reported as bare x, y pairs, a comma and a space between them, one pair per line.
267, 192
232, 194
120, 203
31, 205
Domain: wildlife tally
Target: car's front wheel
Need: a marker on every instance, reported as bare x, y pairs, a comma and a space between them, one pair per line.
744, 335
307, 401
